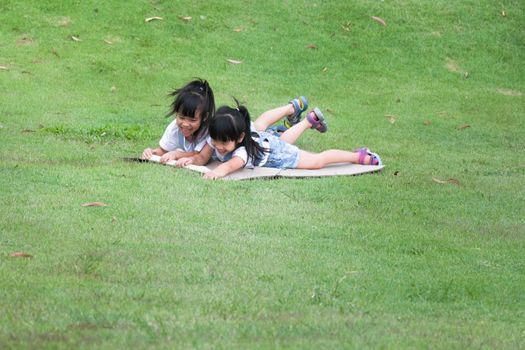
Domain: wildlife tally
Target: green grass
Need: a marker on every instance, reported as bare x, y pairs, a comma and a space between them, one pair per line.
395, 260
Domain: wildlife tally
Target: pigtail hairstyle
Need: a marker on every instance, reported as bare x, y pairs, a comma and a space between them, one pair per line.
196, 96
229, 124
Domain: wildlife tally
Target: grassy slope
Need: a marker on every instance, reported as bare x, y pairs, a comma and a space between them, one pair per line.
394, 260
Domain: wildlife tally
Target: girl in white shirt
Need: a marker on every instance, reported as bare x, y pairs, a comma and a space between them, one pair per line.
185, 136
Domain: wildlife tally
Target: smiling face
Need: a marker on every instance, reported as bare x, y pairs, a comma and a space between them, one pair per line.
188, 125
224, 147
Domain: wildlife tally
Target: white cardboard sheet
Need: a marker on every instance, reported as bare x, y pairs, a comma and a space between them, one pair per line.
262, 172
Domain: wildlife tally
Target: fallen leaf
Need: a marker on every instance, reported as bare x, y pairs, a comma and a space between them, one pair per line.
427, 122
63, 22
311, 46
185, 18
108, 42
95, 204
453, 66
237, 30
347, 26
379, 20
391, 118
509, 92
24, 41
233, 61
21, 255
4, 68
447, 181
503, 13
464, 126
75, 38
155, 18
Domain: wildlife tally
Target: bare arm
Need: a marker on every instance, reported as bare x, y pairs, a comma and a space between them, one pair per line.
226, 168
200, 158
177, 154
148, 152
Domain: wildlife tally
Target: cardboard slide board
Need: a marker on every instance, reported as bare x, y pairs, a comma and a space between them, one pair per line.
262, 172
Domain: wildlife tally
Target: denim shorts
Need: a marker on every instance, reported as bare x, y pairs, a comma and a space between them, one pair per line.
282, 154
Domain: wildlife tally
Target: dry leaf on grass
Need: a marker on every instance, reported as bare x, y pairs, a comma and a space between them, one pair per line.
75, 38
20, 255
233, 61
427, 122
391, 118
464, 126
154, 18
379, 20
447, 181
237, 30
94, 204
24, 41
63, 21
185, 18
509, 92
347, 27
311, 46
453, 66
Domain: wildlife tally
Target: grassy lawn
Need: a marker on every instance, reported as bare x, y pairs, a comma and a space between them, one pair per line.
427, 254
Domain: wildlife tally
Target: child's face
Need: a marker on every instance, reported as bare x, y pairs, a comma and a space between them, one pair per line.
224, 147
189, 124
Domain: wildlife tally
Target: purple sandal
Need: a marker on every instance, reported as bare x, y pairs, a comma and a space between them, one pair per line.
364, 152
316, 119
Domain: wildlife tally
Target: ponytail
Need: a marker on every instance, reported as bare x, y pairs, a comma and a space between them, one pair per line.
229, 124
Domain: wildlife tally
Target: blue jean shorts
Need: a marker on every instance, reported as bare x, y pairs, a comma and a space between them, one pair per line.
282, 154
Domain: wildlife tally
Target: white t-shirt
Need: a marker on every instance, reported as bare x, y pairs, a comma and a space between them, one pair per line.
173, 139
239, 152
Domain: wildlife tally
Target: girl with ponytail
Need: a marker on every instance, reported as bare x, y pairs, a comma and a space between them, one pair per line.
235, 141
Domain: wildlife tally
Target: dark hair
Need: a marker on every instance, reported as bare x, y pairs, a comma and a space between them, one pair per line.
228, 124
195, 96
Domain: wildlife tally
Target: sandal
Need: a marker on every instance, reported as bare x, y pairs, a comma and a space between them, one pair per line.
316, 119
364, 152
300, 105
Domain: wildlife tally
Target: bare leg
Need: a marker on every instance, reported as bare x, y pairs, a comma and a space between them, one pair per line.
291, 135
309, 160
272, 116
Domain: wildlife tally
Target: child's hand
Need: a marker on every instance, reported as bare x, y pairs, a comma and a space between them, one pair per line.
166, 157
210, 175
184, 161
147, 153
